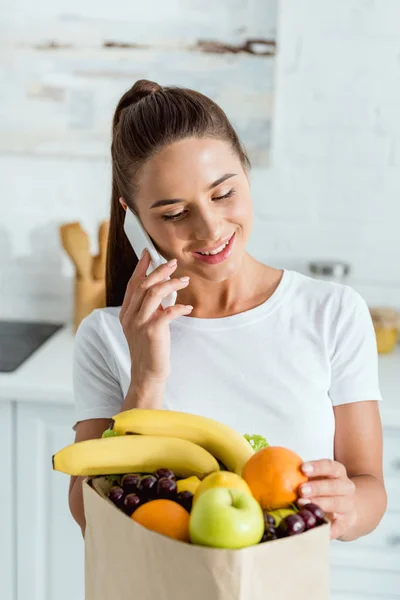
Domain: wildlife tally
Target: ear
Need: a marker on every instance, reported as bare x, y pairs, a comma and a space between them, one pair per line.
123, 204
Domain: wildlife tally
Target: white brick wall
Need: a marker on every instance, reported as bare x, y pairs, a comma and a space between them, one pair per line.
334, 190
334, 186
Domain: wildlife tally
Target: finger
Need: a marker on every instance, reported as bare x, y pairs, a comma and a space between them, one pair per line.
327, 487
160, 274
338, 528
324, 468
329, 504
137, 276
173, 312
157, 325
154, 296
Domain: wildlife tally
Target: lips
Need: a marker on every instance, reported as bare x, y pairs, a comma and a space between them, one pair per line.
216, 247
215, 259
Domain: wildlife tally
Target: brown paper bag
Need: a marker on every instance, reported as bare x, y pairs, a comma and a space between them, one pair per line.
125, 561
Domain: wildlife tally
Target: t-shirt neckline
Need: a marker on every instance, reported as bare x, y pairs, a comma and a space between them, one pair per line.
242, 318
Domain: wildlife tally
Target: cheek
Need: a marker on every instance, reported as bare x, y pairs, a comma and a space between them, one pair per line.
164, 240
242, 212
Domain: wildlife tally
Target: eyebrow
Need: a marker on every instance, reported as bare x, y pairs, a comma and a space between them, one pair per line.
177, 200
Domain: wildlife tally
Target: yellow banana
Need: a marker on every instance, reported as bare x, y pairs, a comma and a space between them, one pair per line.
190, 484
223, 442
134, 453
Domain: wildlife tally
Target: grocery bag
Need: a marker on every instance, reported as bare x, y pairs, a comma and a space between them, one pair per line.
125, 561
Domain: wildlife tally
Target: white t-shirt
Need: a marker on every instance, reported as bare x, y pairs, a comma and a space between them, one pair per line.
276, 370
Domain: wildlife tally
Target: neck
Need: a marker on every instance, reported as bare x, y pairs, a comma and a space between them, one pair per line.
252, 285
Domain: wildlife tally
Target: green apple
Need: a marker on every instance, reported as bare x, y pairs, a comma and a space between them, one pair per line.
226, 518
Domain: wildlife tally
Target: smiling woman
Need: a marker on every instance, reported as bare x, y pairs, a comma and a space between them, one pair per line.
260, 349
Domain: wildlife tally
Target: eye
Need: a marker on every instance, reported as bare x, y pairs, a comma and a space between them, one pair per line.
173, 217
181, 214
228, 195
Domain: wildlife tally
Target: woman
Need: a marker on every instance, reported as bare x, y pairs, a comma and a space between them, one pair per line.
264, 350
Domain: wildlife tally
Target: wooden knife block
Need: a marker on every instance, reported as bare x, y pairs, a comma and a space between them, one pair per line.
89, 283
89, 295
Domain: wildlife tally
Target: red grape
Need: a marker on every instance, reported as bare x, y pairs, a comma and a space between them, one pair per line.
316, 511
147, 486
131, 502
292, 525
166, 488
117, 495
269, 534
185, 499
161, 473
269, 520
309, 519
130, 483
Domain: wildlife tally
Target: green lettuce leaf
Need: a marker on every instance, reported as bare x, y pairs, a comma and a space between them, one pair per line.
257, 442
109, 433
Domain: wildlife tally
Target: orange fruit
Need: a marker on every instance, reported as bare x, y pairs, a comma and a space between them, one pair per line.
273, 474
164, 516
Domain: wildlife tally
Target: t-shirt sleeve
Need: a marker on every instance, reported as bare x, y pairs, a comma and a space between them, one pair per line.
354, 356
97, 391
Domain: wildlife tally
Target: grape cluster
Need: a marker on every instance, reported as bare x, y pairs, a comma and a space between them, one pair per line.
134, 490
309, 517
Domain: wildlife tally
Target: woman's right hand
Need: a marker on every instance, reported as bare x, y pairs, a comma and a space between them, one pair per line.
146, 324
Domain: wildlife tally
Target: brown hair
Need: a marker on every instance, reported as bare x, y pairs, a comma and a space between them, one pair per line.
147, 119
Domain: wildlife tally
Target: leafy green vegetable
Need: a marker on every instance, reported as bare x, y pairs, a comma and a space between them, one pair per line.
115, 479
257, 442
109, 433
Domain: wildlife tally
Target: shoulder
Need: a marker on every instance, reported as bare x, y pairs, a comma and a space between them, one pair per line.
99, 320
99, 329
328, 295
327, 306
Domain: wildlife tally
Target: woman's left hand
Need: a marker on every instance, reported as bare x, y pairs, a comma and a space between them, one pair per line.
333, 491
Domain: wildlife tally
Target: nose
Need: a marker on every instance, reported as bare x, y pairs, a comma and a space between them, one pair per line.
207, 227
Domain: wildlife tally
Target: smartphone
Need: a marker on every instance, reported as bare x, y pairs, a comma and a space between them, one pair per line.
139, 240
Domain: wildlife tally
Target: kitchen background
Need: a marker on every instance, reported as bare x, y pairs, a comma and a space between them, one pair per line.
331, 191
314, 90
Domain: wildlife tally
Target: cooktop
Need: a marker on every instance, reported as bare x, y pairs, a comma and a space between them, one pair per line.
19, 340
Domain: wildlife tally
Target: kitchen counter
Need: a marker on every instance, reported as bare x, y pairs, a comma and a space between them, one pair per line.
47, 376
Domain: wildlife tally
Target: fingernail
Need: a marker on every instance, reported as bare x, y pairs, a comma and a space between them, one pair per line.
307, 468
144, 252
172, 263
188, 307
305, 490
185, 279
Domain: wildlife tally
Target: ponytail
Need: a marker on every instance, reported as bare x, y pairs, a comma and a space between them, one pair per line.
121, 259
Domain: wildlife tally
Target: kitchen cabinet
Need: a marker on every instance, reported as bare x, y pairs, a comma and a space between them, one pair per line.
50, 549
41, 547
7, 500
369, 568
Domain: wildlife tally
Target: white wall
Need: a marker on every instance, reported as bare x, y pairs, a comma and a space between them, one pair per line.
63, 67
334, 186
334, 190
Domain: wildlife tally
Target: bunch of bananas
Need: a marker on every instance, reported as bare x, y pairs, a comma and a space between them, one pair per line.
145, 440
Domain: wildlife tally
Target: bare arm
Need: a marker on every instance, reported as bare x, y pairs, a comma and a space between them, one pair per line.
350, 488
85, 430
359, 447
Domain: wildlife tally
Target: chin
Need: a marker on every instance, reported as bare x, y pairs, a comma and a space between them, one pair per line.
222, 272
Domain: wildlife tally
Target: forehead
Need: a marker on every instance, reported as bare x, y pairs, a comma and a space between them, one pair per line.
187, 164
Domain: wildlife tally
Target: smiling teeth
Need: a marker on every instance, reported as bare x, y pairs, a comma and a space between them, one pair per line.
217, 251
